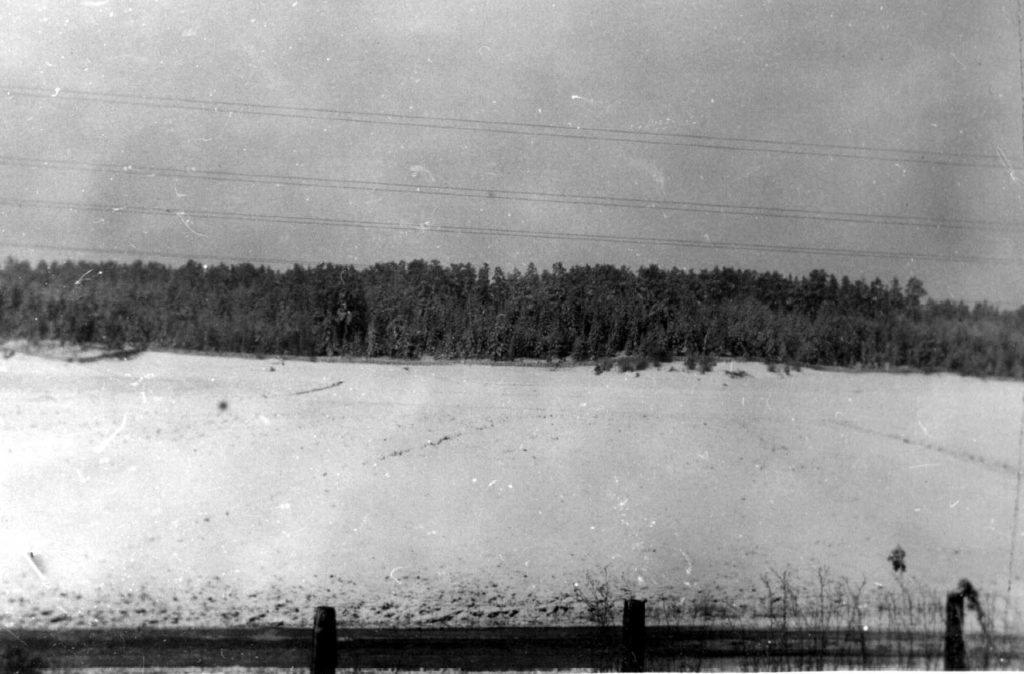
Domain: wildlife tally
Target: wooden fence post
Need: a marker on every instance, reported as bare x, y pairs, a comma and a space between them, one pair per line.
956, 653
325, 641
633, 636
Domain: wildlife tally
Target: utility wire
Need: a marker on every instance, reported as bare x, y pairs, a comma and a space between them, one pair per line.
700, 141
513, 195
501, 232
133, 251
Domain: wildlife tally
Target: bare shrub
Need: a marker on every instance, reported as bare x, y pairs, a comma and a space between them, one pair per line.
598, 596
823, 624
826, 622
625, 364
658, 355
632, 363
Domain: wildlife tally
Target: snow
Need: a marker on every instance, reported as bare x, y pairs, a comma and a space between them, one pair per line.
200, 491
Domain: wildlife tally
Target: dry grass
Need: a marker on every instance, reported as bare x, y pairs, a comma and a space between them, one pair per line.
823, 622
792, 623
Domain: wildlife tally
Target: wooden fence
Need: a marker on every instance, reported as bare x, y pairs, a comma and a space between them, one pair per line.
635, 647
757, 650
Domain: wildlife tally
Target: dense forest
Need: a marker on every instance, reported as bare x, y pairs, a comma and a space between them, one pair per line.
418, 308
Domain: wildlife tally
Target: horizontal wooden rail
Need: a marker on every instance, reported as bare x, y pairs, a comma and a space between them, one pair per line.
513, 648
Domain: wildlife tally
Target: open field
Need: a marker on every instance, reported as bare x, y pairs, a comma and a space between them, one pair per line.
188, 491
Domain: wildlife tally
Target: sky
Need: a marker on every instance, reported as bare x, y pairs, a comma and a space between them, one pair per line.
863, 138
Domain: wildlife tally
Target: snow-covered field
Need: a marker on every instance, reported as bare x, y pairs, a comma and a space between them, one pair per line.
186, 490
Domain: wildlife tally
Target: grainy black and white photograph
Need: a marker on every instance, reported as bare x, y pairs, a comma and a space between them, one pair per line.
511, 335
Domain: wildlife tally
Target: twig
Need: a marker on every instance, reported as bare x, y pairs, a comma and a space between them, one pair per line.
319, 388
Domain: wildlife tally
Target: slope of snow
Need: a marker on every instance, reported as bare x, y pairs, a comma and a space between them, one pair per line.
188, 490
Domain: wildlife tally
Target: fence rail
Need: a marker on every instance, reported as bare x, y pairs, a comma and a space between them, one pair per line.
777, 647
515, 648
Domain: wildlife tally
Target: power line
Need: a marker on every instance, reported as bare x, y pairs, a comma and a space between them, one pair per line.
503, 232
133, 251
514, 195
657, 138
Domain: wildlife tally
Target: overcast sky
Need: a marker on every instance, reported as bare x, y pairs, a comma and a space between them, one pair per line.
773, 135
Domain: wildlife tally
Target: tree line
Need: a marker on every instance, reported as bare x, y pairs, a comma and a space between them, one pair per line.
420, 308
